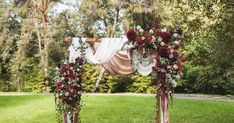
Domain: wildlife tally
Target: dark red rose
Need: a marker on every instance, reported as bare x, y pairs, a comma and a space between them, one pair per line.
175, 55
166, 36
163, 52
154, 69
182, 59
58, 86
79, 76
139, 40
148, 40
157, 58
131, 35
71, 76
87, 78
154, 81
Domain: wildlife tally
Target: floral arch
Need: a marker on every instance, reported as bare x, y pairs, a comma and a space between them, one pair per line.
151, 52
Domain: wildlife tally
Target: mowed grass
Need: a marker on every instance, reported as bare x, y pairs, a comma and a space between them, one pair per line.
114, 109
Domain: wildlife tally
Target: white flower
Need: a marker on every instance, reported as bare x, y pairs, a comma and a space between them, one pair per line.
79, 92
159, 39
178, 77
62, 78
66, 94
171, 56
143, 38
138, 27
169, 47
141, 30
164, 30
169, 67
69, 82
151, 31
168, 75
153, 37
71, 68
177, 42
57, 68
174, 83
162, 43
175, 35
163, 70
175, 66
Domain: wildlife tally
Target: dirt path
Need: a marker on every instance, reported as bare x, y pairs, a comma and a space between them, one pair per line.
179, 96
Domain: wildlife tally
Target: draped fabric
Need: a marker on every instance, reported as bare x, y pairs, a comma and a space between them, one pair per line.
143, 65
119, 64
105, 50
108, 53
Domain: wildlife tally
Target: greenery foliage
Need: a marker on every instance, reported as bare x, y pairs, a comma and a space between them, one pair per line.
207, 26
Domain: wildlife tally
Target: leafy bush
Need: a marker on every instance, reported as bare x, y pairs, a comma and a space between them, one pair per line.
34, 80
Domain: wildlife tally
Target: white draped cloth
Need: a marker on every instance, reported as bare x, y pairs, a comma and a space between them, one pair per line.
105, 52
143, 65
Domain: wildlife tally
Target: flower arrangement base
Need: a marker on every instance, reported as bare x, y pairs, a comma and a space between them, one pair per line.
71, 117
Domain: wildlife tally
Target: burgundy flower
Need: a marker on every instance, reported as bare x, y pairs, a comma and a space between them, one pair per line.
87, 78
131, 35
148, 40
175, 55
182, 59
163, 52
154, 69
71, 76
79, 76
157, 58
58, 86
166, 36
139, 40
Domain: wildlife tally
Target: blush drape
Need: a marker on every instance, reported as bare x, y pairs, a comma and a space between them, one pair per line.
119, 64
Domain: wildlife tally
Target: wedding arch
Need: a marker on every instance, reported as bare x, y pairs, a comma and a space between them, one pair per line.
151, 52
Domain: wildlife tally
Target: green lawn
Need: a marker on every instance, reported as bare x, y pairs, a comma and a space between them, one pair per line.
114, 109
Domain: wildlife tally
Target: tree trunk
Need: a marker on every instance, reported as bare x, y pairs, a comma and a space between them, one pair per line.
18, 85
102, 70
45, 52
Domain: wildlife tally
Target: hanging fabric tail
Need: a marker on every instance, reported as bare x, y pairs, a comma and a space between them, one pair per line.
65, 117
75, 120
161, 110
164, 97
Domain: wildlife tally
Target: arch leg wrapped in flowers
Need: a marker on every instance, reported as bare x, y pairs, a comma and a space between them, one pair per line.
163, 46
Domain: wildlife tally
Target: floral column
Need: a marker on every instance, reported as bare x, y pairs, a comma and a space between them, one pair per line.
69, 88
163, 46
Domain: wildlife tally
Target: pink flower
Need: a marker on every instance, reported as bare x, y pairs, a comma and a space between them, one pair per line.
148, 40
